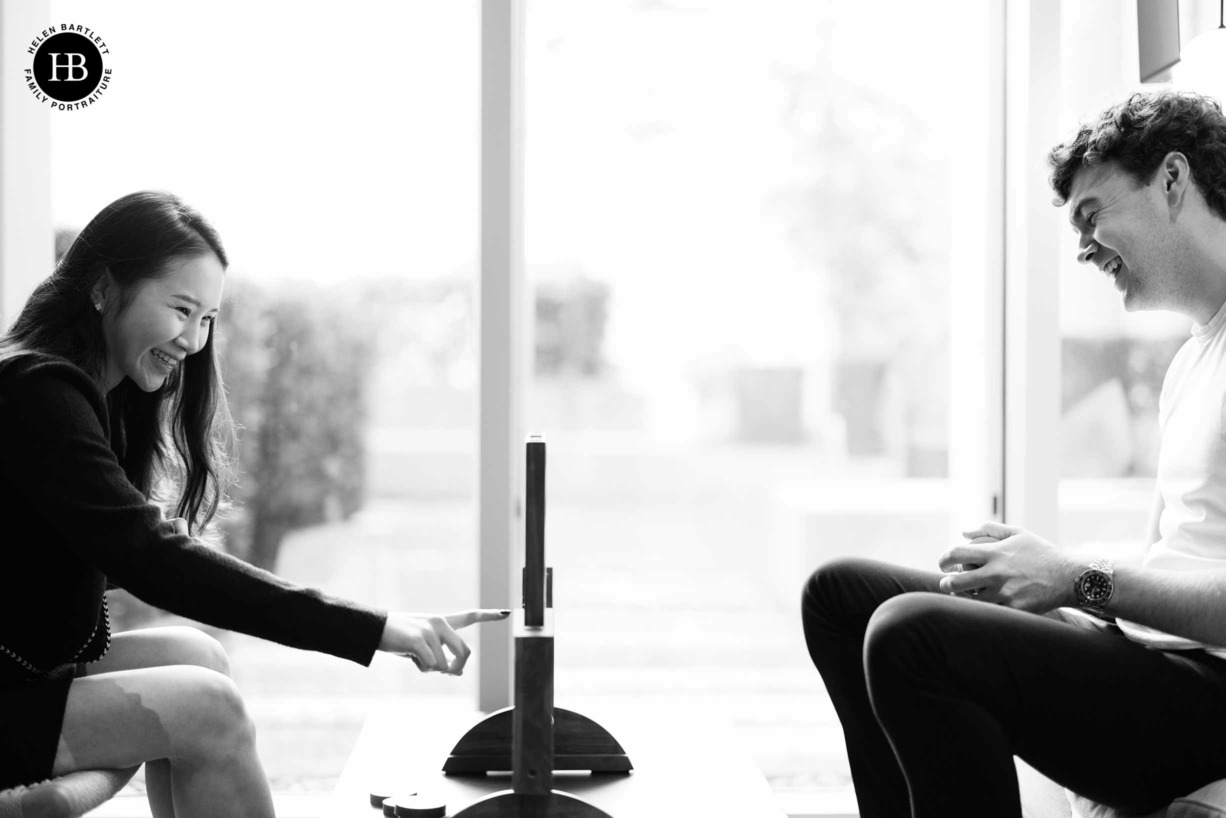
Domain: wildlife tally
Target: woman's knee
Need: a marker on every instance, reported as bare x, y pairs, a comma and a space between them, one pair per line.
191, 646
216, 718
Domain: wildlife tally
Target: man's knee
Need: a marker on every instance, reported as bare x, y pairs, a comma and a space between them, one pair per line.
908, 632
827, 591
192, 646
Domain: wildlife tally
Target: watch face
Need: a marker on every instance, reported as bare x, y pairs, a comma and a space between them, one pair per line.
1096, 585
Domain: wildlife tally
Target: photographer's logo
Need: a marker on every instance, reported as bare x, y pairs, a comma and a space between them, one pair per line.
68, 71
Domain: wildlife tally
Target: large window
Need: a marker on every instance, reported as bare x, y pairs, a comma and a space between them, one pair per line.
740, 228
334, 148
754, 234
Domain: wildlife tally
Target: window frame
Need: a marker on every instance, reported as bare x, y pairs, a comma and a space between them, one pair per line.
995, 339
1031, 360
1006, 353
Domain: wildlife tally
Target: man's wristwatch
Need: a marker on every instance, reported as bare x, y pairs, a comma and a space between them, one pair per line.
1095, 585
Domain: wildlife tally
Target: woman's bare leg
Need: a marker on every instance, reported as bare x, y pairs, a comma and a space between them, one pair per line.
159, 647
158, 788
191, 716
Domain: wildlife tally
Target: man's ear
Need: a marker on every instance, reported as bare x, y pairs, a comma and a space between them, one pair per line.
1175, 175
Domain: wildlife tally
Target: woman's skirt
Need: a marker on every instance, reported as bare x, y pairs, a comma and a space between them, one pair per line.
31, 718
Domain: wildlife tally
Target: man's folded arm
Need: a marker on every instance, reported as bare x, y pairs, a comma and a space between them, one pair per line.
1191, 604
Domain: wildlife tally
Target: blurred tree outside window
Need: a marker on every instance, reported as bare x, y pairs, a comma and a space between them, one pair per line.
762, 205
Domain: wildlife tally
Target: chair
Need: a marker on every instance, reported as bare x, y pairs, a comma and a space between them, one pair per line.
67, 796
1042, 798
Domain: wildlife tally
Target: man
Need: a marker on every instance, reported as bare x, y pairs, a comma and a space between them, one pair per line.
1110, 680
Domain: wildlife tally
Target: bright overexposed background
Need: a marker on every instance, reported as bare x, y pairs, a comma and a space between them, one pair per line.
741, 223
744, 227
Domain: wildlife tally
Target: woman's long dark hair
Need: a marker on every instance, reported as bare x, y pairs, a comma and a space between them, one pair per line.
134, 238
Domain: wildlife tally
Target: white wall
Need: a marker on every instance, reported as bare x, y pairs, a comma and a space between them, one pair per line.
27, 248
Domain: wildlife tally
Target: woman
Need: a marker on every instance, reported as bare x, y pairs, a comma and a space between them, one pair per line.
110, 400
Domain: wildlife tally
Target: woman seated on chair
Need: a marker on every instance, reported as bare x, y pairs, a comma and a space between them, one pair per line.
110, 398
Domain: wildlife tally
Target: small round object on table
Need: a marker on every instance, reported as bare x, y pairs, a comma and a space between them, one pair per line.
420, 806
377, 797
390, 804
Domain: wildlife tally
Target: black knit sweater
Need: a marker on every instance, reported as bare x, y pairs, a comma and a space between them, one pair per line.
70, 521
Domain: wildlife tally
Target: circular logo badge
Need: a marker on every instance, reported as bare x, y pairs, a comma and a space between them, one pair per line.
67, 70
68, 67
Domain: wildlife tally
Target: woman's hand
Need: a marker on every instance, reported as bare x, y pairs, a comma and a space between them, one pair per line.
180, 526
423, 637
1020, 571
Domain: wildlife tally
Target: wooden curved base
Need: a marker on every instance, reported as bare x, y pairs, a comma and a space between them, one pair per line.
579, 743
508, 804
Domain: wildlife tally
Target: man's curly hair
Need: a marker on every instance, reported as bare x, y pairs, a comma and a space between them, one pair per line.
1137, 133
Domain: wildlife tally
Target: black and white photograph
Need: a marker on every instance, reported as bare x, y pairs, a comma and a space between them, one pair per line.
613, 409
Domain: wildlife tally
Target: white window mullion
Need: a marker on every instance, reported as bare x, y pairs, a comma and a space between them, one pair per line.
1032, 335
502, 333
976, 417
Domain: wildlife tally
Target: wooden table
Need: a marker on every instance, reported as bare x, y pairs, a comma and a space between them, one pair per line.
685, 763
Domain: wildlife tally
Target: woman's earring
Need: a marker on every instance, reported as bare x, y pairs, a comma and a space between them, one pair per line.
98, 306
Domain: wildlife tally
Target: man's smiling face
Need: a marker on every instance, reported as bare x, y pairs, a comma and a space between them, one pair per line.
1125, 231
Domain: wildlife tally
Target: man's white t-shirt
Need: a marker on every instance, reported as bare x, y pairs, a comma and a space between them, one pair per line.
1191, 469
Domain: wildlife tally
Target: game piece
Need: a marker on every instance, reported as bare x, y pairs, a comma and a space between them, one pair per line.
420, 806
379, 796
533, 738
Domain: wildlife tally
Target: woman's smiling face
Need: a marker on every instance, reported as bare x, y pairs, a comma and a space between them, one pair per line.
168, 318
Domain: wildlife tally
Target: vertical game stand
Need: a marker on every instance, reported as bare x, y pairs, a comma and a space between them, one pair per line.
533, 738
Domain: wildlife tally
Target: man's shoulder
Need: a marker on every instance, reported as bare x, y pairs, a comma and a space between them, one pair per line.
1183, 358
